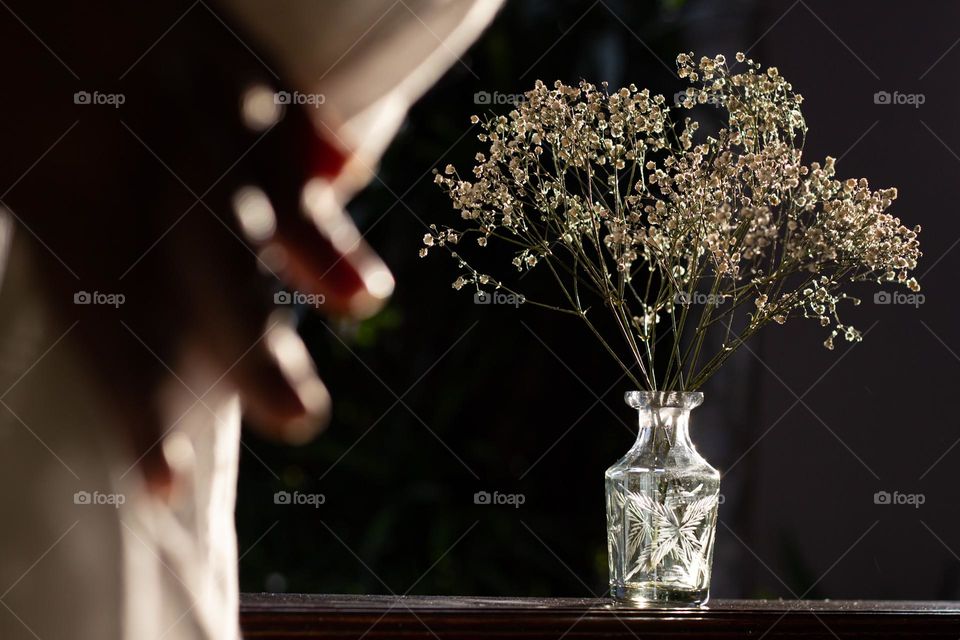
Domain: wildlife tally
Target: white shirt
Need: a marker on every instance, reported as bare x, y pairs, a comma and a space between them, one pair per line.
85, 552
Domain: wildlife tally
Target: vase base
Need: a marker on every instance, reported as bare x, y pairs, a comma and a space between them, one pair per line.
658, 595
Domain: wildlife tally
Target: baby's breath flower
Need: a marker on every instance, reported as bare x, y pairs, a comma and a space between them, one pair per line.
627, 202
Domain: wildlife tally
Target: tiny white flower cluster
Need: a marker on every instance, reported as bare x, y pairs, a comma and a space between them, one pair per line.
625, 201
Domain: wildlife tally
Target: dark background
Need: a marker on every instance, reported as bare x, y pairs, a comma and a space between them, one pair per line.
437, 398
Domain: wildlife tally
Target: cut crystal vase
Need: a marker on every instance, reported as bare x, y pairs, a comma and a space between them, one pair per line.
662, 500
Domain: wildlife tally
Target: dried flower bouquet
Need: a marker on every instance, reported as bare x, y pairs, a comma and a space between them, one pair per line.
675, 232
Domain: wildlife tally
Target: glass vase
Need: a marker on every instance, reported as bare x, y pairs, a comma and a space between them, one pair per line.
662, 500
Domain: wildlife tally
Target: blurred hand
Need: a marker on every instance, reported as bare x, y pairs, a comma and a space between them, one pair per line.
188, 199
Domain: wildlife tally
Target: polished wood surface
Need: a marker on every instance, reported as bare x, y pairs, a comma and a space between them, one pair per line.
443, 618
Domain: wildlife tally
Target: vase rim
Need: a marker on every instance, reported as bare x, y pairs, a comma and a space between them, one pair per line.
663, 399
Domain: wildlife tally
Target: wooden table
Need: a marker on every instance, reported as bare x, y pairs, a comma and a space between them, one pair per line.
443, 618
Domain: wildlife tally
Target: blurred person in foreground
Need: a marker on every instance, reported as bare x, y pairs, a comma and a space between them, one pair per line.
162, 166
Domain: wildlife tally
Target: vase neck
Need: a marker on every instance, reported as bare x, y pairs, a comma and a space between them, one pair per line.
664, 418
664, 427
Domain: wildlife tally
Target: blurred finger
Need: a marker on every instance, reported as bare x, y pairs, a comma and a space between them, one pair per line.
327, 255
261, 356
323, 252
284, 366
